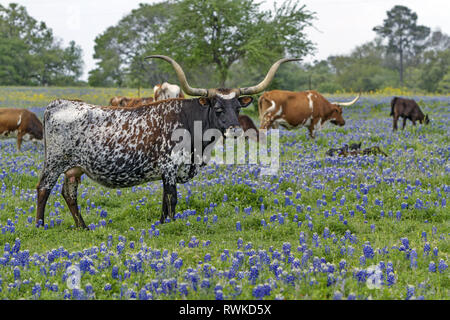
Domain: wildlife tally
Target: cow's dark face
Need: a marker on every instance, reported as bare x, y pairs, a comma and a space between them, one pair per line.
225, 110
336, 116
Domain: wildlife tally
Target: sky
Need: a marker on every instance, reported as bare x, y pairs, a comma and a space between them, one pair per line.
339, 27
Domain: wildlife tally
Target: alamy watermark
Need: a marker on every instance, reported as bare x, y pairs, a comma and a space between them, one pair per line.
235, 147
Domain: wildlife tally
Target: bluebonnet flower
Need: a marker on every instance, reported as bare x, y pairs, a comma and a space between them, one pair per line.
183, 289
405, 242
410, 291
16, 246
205, 284
442, 266
362, 260
286, 248
107, 287
426, 248
78, 294
115, 272
351, 296
390, 278
413, 258
16, 273
89, 289
120, 247
259, 291
238, 226
219, 295
239, 243
326, 233
435, 251
424, 235
368, 251
432, 267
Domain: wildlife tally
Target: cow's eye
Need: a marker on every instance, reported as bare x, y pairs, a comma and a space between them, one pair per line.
219, 110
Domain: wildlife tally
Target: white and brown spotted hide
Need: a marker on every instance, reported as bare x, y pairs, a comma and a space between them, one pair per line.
21, 122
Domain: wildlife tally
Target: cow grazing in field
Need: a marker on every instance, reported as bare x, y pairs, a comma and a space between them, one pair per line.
167, 91
122, 147
407, 109
22, 122
120, 101
292, 109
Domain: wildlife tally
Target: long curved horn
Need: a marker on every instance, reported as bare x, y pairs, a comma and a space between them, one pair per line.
263, 84
182, 77
346, 104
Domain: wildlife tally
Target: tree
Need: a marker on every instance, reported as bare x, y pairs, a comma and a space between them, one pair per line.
30, 55
218, 33
213, 35
121, 49
434, 69
404, 36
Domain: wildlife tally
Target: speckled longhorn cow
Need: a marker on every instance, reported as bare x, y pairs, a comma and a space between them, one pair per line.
167, 91
122, 147
22, 122
292, 109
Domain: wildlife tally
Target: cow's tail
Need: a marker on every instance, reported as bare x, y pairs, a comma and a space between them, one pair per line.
392, 105
260, 107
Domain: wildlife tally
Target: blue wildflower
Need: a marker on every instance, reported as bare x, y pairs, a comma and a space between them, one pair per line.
442, 266
432, 267
410, 290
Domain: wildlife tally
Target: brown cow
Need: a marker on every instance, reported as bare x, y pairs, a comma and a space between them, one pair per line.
120, 101
407, 109
22, 122
292, 109
247, 123
167, 91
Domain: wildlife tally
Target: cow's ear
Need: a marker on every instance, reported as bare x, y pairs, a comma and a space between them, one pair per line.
204, 101
245, 101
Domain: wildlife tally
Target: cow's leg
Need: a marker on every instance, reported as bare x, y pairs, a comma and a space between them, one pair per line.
169, 199
414, 122
404, 123
267, 121
19, 139
311, 127
69, 192
311, 132
394, 128
46, 183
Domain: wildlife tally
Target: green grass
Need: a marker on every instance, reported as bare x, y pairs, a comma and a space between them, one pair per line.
304, 169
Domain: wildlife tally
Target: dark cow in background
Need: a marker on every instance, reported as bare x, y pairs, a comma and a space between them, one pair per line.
407, 109
22, 122
123, 147
292, 109
120, 101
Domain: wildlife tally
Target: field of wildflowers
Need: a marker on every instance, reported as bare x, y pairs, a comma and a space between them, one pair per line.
365, 227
